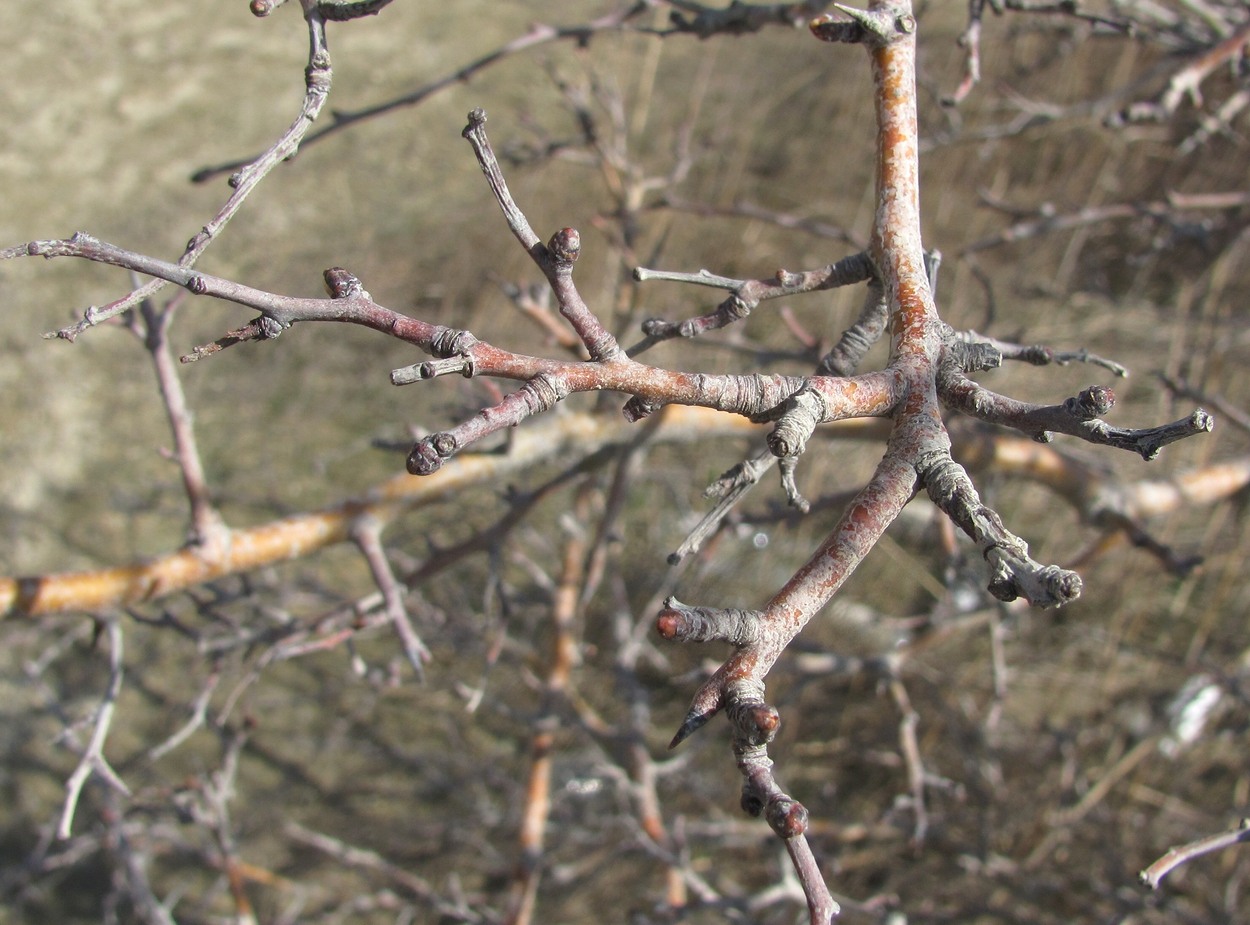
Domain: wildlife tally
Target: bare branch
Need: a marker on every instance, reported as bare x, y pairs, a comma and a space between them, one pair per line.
92, 762
317, 79
302, 534
539, 34
1153, 875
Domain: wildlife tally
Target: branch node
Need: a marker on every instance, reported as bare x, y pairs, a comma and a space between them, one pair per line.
261, 328
545, 392
755, 723
802, 412
432, 369
975, 356
447, 342
682, 623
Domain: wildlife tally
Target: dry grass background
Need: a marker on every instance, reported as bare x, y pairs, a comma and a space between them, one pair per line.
110, 107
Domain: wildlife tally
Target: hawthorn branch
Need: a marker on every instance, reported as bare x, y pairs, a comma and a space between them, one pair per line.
302, 534
366, 532
207, 528
925, 370
92, 762
1153, 875
317, 80
1038, 354
1014, 574
747, 294
1077, 416
896, 253
556, 259
539, 34
565, 608
755, 396
845, 356
1186, 82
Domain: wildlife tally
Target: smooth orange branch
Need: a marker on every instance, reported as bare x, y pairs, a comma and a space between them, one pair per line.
303, 534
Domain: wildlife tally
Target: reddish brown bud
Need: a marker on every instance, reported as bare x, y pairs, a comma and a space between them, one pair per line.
668, 624
787, 818
766, 719
341, 284
1093, 402
565, 245
638, 408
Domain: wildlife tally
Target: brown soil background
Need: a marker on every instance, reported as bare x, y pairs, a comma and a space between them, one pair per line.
109, 107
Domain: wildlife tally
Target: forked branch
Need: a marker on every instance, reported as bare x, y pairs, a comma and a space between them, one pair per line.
927, 375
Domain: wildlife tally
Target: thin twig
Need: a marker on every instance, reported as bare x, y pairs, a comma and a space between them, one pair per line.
317, 77
92, 761
1153, 875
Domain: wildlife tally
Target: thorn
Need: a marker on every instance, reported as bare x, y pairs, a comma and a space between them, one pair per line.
692, 723
864, 25
860, 16
867, 21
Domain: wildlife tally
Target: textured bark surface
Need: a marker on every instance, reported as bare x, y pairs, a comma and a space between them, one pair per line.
946, 439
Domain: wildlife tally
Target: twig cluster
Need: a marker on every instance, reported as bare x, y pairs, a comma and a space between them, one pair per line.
927, 378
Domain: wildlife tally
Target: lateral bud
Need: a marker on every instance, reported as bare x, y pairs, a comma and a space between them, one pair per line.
787, 817
638, 408
756, 723
340, 284
1091, 403
565, 246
